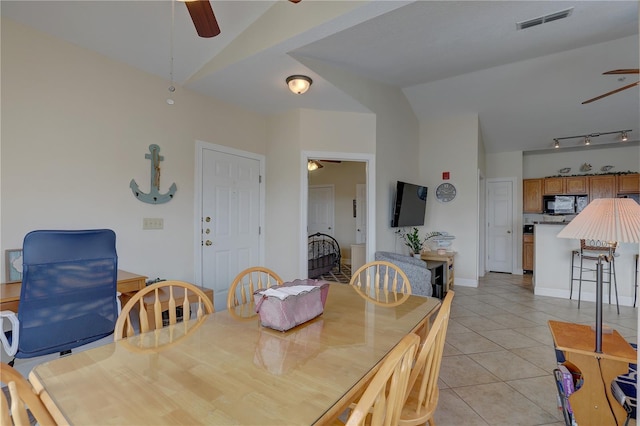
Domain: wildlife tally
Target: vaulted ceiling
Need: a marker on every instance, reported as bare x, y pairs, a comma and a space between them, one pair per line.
449, 57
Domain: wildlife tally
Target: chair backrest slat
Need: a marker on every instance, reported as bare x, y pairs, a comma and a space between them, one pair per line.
385, 283
124, 328
246, 283
385, 394
186, 305
423, 382
23, 395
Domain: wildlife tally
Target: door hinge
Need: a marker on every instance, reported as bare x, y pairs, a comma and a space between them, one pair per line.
259, 230
259, 178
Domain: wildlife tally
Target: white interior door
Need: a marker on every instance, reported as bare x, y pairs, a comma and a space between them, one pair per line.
230, 219
321, 209
500, 226
361, 213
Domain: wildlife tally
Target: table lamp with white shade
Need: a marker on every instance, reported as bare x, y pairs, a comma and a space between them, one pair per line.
609, 220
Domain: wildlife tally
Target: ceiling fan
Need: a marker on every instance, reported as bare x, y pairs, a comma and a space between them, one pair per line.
628, 86
317, 164
204, 19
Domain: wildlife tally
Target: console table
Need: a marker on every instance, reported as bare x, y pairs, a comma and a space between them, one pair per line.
590, 403
128, 282
448, 272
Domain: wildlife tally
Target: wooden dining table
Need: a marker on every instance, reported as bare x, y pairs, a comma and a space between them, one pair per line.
226, 370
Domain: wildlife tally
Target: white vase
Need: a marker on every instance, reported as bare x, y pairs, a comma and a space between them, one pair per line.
416, 255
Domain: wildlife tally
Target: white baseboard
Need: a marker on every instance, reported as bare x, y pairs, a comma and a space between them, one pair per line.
465, 282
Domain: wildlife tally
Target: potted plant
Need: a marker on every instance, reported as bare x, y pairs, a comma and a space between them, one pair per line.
412, 240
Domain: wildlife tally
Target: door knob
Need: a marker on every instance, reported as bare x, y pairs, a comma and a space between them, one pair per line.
508, 232
208, 243
207, 231
207, 219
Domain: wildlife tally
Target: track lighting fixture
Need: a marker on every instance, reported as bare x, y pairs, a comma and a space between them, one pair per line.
586, 139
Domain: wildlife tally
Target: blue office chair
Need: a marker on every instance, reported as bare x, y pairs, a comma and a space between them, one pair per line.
68, 294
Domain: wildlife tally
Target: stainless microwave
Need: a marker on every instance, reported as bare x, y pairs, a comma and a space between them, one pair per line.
565, 204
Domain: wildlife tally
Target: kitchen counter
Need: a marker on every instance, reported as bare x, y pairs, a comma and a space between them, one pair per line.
552, 266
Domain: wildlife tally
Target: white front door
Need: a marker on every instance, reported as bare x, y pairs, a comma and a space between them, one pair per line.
321, 209
500, 226
230, 219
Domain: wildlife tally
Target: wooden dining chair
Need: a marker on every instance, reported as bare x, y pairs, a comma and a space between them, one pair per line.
240, 297
159, 297
22, 395
422, 397
382, 283
381, 402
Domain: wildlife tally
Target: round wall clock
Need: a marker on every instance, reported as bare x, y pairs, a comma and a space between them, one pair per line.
445, 192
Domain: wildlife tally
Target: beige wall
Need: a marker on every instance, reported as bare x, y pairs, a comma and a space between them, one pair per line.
623, 158
451, 144
283, 194
75, 129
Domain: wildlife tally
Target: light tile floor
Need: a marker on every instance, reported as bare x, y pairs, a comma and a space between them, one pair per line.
499, 359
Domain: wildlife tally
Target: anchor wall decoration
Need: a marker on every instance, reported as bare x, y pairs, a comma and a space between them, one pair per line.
154, 196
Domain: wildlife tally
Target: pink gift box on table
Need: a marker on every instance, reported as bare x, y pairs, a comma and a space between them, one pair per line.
290, 304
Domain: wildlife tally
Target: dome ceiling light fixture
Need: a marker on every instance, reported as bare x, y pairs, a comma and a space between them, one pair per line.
299, 84
313, 165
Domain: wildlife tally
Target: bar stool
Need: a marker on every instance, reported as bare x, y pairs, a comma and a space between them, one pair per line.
591, 252
635, 291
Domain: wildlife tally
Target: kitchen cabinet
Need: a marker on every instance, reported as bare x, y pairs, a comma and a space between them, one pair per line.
532, 195
602, 186
527, 252
570, 185
628, 184
553, 186
576, 185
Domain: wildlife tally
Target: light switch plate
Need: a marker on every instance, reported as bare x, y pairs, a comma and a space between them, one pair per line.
152, 223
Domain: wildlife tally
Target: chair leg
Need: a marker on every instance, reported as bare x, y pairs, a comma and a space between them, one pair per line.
612, 265
573, 256
580, 282
635, 291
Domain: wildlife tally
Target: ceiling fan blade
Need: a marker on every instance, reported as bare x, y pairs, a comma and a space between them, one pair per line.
203, 18
612, 92
623, 71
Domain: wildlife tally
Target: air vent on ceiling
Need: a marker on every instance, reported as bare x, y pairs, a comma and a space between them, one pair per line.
543, 19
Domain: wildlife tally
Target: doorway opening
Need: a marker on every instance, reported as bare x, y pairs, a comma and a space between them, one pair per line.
350, 215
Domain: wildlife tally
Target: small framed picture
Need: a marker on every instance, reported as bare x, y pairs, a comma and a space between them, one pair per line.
13, 265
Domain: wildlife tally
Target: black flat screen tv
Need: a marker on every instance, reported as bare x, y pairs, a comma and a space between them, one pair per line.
410, 205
